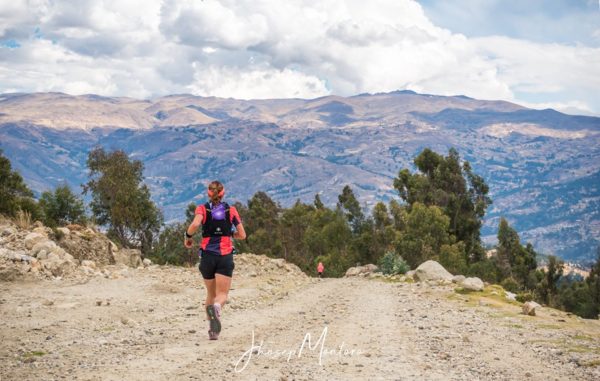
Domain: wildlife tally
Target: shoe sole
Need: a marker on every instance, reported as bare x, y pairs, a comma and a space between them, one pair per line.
215, 324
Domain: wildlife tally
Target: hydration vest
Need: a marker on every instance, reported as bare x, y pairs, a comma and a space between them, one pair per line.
217, 227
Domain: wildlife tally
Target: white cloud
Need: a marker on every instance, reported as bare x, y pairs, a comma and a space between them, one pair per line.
535, 67
257, 83
269, 49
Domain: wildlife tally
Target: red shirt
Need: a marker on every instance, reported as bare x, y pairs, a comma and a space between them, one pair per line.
218, 245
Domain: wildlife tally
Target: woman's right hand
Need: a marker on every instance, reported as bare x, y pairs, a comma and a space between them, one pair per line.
188, 243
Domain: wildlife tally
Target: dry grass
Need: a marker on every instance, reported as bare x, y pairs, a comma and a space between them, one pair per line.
23, 219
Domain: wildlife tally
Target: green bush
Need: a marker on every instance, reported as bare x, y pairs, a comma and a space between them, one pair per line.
392, 263
510, 284
525, 296
62, 207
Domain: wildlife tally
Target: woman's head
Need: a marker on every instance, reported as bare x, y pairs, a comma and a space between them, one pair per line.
216, 191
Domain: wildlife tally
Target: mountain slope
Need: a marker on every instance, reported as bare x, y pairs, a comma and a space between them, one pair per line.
541, 165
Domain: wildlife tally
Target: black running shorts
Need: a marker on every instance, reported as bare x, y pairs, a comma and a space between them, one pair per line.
211, 264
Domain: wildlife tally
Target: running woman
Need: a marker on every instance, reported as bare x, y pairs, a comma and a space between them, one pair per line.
220, 223
320, 269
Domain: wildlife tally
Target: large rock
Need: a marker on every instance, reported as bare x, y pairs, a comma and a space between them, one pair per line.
431, 270
458, 279
43, 245
59, 266
129, 257
32, 239
529, 308
472, 284
511, 296
360, 270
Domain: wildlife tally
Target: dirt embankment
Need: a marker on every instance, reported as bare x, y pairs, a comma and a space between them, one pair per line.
148, 324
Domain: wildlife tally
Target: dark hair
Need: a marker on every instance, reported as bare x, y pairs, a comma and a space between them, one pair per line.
216, 191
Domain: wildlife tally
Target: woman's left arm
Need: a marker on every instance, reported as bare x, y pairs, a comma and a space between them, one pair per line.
240, 233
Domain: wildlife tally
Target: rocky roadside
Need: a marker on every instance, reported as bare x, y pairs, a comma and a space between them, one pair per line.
73, 252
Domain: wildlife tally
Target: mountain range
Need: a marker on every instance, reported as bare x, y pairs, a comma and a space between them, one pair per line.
542, 166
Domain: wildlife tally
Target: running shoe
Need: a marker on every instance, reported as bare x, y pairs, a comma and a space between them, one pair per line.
214, 315
213, 335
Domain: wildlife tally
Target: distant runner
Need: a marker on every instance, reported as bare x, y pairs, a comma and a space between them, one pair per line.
320, 268
220, 222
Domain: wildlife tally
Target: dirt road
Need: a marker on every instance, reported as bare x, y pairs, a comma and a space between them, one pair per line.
149, 325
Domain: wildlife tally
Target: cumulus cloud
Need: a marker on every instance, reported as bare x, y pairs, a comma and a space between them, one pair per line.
271, 49
258, 83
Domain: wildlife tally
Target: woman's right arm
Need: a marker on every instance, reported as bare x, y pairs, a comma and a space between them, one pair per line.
188, 242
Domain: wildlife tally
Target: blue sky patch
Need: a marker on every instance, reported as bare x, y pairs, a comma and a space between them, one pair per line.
12, 44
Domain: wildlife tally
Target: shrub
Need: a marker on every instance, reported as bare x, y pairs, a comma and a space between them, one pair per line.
524, 296
23, 219
392, 263
62, 207
510, 284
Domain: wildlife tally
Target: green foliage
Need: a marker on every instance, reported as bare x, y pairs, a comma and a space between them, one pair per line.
391, 264
351, 206
515, 260
547, 288
328, 239
293, 225
62, 207
461, 195
261, 221
120, 200
14, 193
583, 297
525, 296
426, 232
318, 203
453, 258
487, 270
510, 284
169, 249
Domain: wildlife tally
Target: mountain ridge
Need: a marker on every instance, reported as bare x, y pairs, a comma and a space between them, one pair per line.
540, 164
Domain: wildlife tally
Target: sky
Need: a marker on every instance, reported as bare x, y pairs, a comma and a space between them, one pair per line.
538, 53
